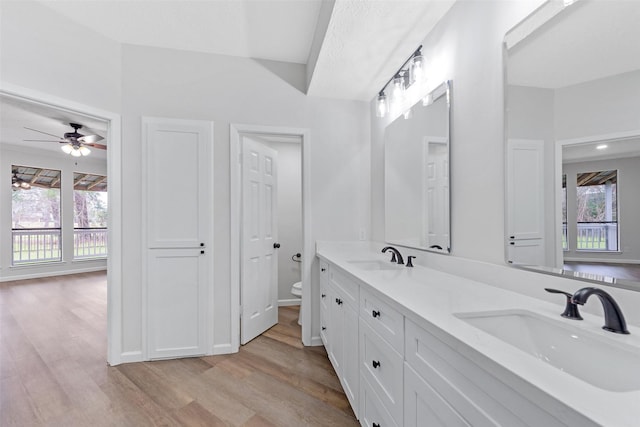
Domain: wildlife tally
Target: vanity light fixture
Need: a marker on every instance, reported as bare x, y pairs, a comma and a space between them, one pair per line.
19, 184
411, 72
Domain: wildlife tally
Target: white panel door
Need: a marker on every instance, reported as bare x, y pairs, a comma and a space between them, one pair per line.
178, 182
436, 179
178, 214
177, 303
259, 259
525, 189
525, 202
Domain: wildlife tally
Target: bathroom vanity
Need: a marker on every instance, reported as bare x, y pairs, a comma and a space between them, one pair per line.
418, 346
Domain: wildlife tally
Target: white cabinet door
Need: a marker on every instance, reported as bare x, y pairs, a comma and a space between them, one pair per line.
177, 303
178, 185
525, 189
350, 360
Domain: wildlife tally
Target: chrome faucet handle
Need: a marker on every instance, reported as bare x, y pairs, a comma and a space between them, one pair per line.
571, 309
409, 260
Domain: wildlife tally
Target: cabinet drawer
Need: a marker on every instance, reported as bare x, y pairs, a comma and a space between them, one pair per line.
478, 396
382, 367
423, 406
346, 288
386, 321
372, 411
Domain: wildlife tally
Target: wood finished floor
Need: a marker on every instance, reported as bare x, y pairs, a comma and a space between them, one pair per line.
53, 370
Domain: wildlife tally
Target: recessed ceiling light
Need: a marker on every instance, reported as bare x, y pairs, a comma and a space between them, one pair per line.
601, 147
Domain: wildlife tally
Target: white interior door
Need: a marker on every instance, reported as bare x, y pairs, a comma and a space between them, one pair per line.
525, 202
178, 213
259, 237
436, 175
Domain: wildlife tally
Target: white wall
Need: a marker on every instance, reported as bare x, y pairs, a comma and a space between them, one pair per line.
628, 208
178, 84
289, 216
22, 156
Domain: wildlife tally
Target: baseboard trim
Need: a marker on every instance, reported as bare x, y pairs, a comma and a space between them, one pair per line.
316, 341
288, 302
223, 349
40, 275
604, 260
130, 357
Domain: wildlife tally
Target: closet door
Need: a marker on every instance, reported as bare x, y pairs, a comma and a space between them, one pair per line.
179, 222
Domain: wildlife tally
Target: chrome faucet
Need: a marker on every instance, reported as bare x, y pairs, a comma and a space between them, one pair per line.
613, 318
396, 256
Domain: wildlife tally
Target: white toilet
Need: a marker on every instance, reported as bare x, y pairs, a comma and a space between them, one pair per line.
296, 290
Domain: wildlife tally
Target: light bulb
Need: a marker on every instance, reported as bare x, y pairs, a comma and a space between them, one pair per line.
25, 185
84, 150
427, 100
382, 107
398, 87
75, 152
408, 114
67, 148
416, 69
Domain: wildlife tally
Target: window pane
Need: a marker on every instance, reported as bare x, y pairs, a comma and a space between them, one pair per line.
597, 211
35, 215
90, 216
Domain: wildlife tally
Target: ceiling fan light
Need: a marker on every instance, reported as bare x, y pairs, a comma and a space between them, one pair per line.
84, 150
67, 148
75, 152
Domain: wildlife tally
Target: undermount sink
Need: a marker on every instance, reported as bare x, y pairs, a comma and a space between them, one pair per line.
370, 265
599, 361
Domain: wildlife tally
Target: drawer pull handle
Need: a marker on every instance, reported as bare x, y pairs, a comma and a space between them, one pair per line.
324, 328
376, 425
375, 364
338, 301
375, 313
324, 295
323, 269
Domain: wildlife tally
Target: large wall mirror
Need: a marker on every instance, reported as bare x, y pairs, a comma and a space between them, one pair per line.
573, 141
417, 212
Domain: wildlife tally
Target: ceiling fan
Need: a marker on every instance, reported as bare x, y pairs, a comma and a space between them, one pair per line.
74, 142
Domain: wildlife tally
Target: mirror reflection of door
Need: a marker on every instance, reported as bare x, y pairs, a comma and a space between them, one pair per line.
436, 187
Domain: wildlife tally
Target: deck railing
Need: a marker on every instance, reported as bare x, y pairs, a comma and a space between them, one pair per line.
89, 243
598, 236
38, 245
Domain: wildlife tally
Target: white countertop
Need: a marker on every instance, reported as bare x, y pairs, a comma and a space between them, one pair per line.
424, 294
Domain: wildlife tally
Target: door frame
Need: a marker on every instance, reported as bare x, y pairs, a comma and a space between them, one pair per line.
114, 232
235, 175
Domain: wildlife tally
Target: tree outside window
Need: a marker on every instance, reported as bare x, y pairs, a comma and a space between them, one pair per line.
597, 211
90, 216
35, 215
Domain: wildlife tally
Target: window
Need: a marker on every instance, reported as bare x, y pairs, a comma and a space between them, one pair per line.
597, 211
90, 216
35, 215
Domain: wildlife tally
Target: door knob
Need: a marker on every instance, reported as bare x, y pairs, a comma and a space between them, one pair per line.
276, 245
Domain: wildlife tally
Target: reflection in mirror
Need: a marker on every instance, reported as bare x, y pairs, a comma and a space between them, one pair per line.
573, 141
417, 175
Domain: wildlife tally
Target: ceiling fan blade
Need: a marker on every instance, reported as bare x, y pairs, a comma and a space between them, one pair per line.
36, 130
98, 146
90, 138
42, 140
